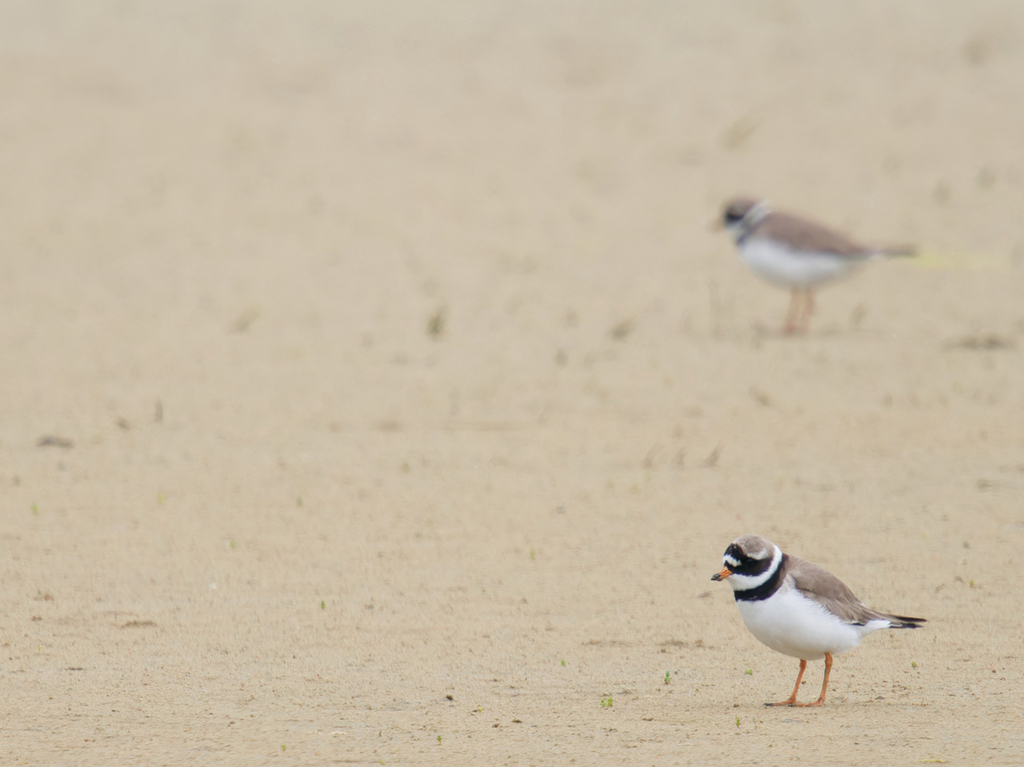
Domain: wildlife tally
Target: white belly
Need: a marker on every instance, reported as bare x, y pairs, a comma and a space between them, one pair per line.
793, 625
794, 268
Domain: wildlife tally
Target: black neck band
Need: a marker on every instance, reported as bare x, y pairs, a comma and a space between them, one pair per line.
767, 588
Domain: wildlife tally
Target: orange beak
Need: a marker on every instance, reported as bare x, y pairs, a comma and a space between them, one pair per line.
722, 575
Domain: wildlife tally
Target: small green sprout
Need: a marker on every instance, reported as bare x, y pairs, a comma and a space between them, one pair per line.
606, 702
668, 678
323, 605
563, 662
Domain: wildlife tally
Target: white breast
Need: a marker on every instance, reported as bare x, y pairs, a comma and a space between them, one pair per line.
784, 266
794, 625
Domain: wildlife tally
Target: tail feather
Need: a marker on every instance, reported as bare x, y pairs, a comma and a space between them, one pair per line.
905, 622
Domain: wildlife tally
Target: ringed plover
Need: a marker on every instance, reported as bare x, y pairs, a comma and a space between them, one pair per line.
798, 608
796, 253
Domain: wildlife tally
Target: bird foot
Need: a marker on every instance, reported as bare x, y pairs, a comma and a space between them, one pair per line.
818, 702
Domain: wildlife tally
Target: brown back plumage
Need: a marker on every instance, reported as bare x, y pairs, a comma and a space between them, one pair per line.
808, 235
804, 234
823, 587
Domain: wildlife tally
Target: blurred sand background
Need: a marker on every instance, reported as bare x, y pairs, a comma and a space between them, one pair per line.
412, 398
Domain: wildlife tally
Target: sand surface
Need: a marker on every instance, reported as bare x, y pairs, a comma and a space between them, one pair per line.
399, 399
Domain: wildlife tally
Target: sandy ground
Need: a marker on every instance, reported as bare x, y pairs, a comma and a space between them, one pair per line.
401, 399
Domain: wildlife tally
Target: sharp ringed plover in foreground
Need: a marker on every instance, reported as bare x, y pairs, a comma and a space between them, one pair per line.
795, 253
798, 608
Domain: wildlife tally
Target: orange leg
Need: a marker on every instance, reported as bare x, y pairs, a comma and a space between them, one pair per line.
805, 323
824, 684
793, 313
791, 700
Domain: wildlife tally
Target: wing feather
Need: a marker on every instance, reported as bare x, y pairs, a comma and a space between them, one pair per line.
817, 583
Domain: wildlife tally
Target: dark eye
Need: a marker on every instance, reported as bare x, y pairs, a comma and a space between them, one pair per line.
732, 217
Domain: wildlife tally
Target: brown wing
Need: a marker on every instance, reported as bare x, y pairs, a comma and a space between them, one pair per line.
809, 236
819, 584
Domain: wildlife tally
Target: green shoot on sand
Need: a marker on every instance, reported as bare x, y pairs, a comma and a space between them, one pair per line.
439, 740
323, 605
563, 661
737, 721
606, 702
749, 671
668, 677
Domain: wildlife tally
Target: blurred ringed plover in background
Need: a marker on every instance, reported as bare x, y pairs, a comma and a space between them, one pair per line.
795, 252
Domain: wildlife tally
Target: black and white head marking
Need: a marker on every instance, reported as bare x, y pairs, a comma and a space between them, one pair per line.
756, 567
742, 216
